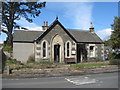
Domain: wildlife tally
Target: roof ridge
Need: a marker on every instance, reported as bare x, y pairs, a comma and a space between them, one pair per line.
77, 31
28, 30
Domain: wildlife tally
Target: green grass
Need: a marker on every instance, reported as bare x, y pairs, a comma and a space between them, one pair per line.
13, 64
84, 65
77, 66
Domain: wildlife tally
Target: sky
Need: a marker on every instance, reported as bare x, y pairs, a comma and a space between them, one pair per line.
76, 15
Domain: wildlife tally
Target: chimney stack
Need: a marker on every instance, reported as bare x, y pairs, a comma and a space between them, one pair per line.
45, 25
91, 28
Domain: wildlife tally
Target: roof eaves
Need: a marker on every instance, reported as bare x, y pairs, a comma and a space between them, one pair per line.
91, 42
24, 41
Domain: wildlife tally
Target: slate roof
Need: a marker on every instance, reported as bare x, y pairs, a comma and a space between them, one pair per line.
25, 36
85, 36
78, 36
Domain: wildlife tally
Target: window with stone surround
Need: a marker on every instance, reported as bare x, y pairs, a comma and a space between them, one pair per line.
67, 49
44, 49
92, 50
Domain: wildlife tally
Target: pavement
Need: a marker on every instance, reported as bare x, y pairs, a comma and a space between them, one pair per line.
101, 80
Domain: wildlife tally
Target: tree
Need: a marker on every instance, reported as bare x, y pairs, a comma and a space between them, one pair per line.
115, 36
12, 11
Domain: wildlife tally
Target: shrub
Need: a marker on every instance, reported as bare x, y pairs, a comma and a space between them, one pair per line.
31, 59
11, 61
114, 56
7, 48
115, 62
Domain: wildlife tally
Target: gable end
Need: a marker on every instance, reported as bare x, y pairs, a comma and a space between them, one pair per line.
50, 28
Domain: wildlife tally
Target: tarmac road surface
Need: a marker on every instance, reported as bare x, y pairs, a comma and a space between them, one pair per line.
103, 80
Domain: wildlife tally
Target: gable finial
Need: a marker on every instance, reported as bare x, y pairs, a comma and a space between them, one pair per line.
91, 25
56, 17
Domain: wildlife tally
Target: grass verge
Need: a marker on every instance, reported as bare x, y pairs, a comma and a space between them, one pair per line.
87, 65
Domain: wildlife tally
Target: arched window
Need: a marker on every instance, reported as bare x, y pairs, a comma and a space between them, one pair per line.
68, 49
44, 49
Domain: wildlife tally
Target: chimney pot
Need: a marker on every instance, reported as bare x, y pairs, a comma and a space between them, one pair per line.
91, 28
45, 25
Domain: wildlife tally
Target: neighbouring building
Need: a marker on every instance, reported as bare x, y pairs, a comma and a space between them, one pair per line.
57, 44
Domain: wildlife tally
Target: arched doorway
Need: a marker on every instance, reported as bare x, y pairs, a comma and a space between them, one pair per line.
57, 49
56, 53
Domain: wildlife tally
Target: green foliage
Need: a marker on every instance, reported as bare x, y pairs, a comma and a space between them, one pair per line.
31, 59
12, 11
115, 62
7, 48
77, 66
11, 61
115, 37
107, 43
114, 56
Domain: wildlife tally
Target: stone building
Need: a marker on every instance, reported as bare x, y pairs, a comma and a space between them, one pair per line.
57, 44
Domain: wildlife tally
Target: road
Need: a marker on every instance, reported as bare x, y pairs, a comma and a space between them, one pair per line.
104, 80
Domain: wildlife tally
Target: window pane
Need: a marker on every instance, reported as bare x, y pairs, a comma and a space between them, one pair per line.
44, 49
68, 53
92, 51
44, 45
68, 49
91, 47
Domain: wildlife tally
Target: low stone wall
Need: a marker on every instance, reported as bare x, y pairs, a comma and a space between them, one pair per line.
39, 71
61, 71
98, 69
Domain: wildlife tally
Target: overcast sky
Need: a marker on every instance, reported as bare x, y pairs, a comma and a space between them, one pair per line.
76, 15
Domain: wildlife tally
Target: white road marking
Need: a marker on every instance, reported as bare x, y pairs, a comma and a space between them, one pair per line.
81, 80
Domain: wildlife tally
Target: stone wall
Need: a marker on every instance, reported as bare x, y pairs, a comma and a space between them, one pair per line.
99, 52
57, 30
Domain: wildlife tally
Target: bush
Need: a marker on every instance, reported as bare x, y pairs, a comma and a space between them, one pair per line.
7, 48
11, 61
115, 62
31, 59
114, 56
